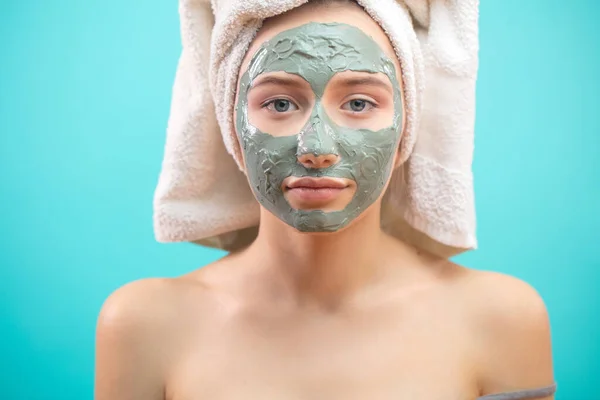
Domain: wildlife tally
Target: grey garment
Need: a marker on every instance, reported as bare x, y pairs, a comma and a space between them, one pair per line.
529, 394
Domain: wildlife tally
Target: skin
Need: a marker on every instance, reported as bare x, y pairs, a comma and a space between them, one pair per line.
353, 314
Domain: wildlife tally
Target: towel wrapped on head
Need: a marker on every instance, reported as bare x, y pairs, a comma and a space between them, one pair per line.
203, 196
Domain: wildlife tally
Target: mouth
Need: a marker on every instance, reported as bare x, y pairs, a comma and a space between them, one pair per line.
314, 193
316, 183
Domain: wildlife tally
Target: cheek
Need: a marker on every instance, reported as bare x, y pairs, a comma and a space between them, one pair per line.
373, 119
277, 124
270, 161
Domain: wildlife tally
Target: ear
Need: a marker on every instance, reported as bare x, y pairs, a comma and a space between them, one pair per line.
237, 138
397, 158
235, 127
397, 162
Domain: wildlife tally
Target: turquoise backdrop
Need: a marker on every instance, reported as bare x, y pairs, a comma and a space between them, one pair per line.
84, 99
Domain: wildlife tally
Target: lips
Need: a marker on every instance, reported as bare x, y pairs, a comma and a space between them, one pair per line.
314, 193
316, 183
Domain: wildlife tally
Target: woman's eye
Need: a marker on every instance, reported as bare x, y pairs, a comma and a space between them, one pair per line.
280, 106
358, 105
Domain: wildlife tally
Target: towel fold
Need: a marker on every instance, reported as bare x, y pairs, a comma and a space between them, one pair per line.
203, 197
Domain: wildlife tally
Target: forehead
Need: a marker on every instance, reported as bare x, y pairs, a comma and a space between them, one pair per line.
354, 16
320, 49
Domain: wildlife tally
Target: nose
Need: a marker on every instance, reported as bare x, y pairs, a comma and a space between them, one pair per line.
316, 146
318, 161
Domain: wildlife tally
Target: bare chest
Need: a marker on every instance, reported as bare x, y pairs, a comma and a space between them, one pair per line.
420, 358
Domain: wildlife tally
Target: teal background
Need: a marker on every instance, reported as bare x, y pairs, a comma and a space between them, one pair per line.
84, 99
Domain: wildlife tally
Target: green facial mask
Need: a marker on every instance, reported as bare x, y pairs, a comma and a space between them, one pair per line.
316, 52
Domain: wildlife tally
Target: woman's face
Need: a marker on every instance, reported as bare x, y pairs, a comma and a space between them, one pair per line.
319, 117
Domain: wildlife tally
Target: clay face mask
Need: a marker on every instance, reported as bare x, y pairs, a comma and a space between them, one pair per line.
316, 52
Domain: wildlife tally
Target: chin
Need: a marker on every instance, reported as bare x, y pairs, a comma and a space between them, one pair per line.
318, 221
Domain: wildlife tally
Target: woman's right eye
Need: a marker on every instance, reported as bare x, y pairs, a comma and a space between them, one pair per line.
280, 105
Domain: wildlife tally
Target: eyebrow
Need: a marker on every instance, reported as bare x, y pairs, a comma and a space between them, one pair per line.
291, 82
367, 80
276, 80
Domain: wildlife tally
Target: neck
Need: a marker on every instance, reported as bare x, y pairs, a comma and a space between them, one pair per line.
321, 267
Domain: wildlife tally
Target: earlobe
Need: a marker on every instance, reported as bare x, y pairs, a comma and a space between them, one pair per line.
397, 162
397, 158
242, 156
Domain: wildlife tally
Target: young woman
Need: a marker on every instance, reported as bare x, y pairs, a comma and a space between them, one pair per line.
323, 304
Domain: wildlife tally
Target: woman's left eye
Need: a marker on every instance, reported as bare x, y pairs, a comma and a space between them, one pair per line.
358, 105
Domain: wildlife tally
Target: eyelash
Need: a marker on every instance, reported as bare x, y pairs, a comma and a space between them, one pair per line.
272, 101
372, 104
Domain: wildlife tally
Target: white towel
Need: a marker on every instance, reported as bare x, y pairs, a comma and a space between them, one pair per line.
202, 196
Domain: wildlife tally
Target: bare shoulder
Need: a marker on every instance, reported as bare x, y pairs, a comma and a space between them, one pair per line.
138, 314
154, 305
141, 330
163, 303
502, 299
511, 331
141, 301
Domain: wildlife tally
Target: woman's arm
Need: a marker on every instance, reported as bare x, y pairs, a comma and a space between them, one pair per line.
128, 350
